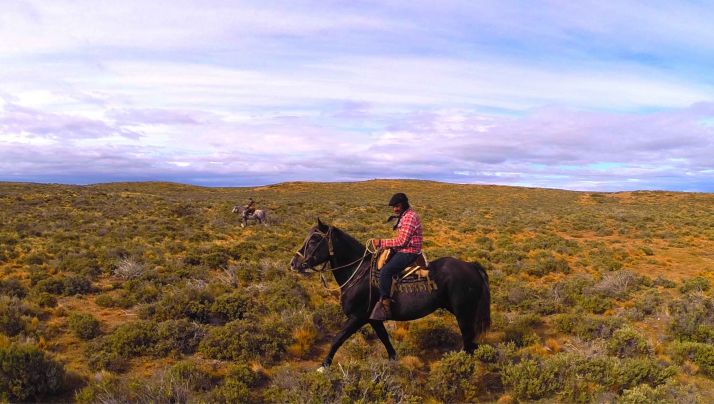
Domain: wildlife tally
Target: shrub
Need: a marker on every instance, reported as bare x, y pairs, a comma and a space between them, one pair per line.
699, 353
454, 378
13, 288
192, 302
233, 306
626, 342
236, 386
636, 371
531, 380
697, 284
84, 326
122, 300
76, 284
11, 316
486, 353
588, 327
246, 340
177, 337
432, 333
53, 285
43, 299
617, 285
544, 263
26, 372
691, 316
128, 268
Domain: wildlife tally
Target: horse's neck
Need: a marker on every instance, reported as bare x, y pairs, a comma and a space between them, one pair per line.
348, 253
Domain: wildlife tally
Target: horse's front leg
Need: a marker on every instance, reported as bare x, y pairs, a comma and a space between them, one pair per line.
384, 337
353, 324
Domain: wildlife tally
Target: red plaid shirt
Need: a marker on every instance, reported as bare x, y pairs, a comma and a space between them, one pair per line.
409, 239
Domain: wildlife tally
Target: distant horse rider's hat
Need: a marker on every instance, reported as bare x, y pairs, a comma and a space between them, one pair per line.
399, 198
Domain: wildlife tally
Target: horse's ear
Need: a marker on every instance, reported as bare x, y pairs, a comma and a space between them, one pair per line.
320, 224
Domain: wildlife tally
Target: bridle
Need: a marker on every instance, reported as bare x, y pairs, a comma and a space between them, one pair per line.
304, 258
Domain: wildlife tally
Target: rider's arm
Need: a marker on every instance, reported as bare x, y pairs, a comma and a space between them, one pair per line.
407, 229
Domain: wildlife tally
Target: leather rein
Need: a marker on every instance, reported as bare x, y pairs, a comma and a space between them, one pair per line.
328, 236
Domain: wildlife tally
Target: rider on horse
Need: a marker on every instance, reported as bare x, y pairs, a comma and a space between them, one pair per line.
249, 209
406, 246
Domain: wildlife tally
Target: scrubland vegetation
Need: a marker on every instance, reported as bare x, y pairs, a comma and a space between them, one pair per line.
152, 292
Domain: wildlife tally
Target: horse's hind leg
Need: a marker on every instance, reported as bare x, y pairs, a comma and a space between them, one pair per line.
468, 333
353, 324
378, 327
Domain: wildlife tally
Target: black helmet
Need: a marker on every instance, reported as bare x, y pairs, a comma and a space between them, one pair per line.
399, 198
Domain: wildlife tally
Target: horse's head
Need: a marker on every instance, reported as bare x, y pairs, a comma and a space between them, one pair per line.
315, 250
236, 209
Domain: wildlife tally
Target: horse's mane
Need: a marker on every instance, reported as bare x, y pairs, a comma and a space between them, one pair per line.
349, 239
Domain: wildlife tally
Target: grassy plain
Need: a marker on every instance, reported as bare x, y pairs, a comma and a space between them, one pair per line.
152, 292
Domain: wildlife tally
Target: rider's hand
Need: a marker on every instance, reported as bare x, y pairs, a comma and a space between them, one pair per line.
375, 243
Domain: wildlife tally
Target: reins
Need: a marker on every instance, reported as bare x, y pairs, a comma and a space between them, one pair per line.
328, 235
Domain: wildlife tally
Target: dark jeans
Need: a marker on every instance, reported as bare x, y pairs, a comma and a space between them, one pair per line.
395, 265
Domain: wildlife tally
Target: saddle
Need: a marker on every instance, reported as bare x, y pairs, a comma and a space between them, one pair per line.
414, 278
418, 267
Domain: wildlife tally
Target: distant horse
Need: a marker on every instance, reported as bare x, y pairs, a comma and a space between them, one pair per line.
258, 215
462, 288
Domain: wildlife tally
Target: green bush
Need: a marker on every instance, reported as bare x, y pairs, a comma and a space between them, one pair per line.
83, 325
76, 284
635, 371
26, 372
454, 378
486, 353
13, 288
12, 321
696, 284
531, 380
544, 263
588, 327
626, 342
188, 302
128, 340
43, 299
178, 337
236, 386
691, 316
53, 285
232, 306
700, 353
246, 340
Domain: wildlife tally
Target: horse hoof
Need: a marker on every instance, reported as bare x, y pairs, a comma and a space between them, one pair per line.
322, 369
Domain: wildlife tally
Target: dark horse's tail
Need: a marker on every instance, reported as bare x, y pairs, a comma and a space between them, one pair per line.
483, 307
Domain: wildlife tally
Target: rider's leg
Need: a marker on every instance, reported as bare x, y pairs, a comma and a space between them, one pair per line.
388, 271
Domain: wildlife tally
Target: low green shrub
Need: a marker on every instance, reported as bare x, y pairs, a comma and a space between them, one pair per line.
188, 302
232, 306
246, 340
76, 284
486, 353
13, 288
696, 284
700, 353
626, 342
455, 378
588, 327
691, 317
177, 337
12, 320
28, 373
83, 325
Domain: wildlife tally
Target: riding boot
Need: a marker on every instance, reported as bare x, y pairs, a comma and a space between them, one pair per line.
382, 310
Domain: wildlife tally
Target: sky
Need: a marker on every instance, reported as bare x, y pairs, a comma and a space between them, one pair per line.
586, 95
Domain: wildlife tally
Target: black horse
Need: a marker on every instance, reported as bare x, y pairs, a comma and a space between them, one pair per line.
462, 288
